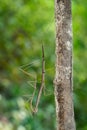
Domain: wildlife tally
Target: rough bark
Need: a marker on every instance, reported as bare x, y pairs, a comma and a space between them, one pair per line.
63, 76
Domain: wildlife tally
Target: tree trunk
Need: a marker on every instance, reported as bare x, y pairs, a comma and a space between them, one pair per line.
63, 76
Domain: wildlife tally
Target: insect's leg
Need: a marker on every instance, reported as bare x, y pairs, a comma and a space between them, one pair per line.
26, 73
47, 92
28, 97
30, 83
29, 65
31, 102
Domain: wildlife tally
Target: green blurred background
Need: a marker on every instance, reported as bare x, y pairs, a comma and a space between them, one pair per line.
24, 26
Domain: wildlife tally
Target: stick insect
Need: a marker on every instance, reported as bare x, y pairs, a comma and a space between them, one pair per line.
42, 86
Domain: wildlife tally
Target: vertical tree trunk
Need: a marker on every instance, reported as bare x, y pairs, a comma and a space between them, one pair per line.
63, 77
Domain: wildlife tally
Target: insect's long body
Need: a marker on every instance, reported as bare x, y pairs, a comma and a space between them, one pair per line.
42, 81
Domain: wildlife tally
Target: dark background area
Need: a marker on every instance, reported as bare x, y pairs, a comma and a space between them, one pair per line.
24, 26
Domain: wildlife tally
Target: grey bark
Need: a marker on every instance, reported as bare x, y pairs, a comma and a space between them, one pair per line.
63, 76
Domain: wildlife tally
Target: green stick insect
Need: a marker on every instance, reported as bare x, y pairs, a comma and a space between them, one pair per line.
42, 86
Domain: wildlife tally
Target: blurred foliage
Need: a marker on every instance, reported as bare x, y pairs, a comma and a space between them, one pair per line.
80, 62
24, 26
